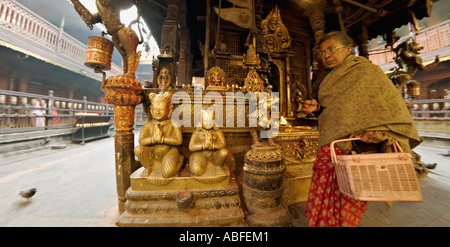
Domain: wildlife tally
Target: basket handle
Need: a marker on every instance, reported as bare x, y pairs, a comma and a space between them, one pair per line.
396, 145
333, 153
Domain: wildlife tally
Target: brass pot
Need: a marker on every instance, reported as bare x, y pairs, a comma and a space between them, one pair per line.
99, 53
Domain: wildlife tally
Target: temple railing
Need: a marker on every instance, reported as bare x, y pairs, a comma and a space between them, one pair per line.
27, 112
21, 112
24, 23
432, 117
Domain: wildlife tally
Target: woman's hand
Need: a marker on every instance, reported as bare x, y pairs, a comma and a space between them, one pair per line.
371, 137
310, 106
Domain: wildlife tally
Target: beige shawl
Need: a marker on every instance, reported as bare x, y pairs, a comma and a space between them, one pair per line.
357, 96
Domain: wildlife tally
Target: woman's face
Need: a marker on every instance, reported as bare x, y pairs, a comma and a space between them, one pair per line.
332, 52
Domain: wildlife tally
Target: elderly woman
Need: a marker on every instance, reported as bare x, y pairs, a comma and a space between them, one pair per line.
354, 99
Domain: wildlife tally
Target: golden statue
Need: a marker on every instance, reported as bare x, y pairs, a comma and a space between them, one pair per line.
275, 32
298, 99
407, 58
124, 38
164, 79
253, 83
209, 152
251, 59
216, 79
158, 140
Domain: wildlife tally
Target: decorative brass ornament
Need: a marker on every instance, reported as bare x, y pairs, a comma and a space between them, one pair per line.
298, 144
124, 38
253, 82
413, 88
99, 53
275, 32
216, 79
251, 59
409, 61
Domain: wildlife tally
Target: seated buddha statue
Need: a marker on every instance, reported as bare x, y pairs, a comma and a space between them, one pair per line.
208, 146
159, 139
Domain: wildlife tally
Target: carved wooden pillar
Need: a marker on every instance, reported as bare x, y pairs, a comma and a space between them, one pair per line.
362, 41
261, 47
182, 68
317, 21
125, 93
183, 46
315, 13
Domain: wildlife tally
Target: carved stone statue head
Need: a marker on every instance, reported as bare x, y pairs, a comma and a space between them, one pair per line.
208, 119
161, 107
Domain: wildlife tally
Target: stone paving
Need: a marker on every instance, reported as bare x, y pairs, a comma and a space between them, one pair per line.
76, 187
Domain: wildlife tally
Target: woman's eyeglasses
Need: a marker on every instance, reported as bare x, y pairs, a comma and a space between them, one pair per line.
330, 50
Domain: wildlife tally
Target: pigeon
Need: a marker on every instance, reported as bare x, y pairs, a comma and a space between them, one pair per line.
431, 165
446, 154
28, 193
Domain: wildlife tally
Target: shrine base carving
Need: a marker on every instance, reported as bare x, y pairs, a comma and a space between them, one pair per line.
182, 202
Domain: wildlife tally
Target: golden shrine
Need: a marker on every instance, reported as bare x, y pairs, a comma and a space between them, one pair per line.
241, 150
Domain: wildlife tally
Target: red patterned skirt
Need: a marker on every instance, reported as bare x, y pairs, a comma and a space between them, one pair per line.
326, 206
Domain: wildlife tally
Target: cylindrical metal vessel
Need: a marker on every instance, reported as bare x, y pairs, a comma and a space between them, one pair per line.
99, 53
413, 88
263, 179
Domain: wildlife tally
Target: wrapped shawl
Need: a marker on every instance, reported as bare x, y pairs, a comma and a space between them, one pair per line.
358, 96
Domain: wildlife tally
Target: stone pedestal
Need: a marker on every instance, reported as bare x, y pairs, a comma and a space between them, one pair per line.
184, 201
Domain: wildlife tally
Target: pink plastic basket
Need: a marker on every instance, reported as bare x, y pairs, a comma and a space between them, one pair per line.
386, 177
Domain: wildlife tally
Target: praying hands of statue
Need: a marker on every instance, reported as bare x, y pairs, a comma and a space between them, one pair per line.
311, 106
158, 134
371, 137
208, 141
157, 137
150, 141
